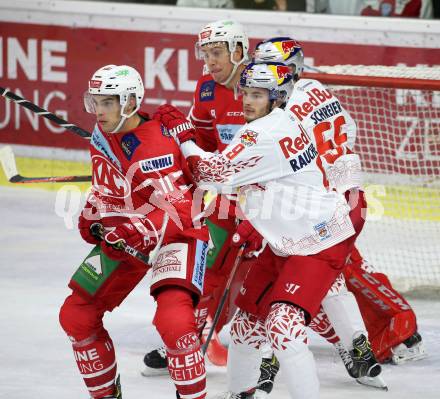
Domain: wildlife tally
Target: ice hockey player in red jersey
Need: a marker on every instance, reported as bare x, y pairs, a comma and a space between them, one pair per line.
390, 320
140, 180
217, 113
309, 230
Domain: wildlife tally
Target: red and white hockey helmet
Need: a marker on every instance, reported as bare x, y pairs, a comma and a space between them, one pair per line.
281, 49
228, 31
116, 80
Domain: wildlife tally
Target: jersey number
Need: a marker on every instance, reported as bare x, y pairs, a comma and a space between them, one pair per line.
235, 151
331, 148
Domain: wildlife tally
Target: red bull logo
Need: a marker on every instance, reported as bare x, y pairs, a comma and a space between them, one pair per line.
249, 137
283, 72
288, 45
280, 72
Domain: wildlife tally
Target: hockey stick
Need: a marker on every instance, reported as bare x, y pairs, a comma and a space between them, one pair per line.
224, 297
7, 160
46, 114
98, 231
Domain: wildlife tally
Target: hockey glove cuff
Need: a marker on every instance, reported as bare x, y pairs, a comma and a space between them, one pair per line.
175, 122
88, 217
246, 233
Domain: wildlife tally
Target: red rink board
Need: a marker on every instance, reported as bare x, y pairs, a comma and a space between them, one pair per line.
32, 68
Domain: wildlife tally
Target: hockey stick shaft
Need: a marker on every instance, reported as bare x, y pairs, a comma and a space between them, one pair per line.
224, 297
44, 113
52, 179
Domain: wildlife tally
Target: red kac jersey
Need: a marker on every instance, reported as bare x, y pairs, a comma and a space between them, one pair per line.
216, 114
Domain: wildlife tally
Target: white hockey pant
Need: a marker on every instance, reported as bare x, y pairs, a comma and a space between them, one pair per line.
343, 312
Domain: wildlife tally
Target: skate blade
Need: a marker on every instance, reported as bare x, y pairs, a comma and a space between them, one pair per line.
409, 356
150, 372
373, 382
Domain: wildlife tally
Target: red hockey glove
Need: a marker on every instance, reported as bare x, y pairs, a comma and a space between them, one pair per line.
125, 234
176, 123
88, 217
246, 233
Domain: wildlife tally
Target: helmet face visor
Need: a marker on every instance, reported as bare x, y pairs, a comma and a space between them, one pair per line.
89, 104
212, 49
103, 103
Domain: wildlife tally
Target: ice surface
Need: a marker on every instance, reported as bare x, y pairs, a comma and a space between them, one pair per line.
37, 257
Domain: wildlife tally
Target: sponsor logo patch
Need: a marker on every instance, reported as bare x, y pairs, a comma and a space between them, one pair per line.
200, 264
207, 91
322, 230
170, 263
129, 143
205, 34
157, 163
95, 84
227, 132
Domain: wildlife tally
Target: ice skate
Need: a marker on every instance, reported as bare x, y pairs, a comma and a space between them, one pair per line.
370, 381
155, 363
118, 392
411, 349
229, 395
364, 361
269, 368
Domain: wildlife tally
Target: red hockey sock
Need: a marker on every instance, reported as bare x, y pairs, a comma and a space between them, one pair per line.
95, 357
175, 323
92, 346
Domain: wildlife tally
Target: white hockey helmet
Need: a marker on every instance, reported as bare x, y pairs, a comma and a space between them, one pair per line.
224, 31
281, 49
228, 31
273, 76
116, 80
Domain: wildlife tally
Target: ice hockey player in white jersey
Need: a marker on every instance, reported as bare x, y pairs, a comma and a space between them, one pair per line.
392, 329
274, 164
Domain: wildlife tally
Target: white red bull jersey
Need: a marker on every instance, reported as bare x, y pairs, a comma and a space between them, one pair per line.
273, 163
216, 114
323, 117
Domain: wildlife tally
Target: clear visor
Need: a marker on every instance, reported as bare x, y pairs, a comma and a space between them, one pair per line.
214, 49
89, 103
105, 103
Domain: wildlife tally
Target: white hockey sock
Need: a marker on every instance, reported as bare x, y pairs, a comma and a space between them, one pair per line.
244, 352
285, 326
345, 316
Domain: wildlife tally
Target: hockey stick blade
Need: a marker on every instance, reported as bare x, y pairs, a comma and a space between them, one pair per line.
373, 382
216, 352
7, 159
